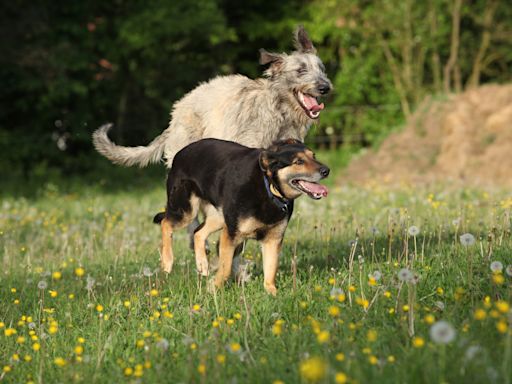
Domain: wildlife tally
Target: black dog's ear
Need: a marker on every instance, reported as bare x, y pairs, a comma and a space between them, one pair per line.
266, 160
303, 43
270, 58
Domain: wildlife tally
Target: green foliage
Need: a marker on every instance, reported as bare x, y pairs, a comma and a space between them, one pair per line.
68, 67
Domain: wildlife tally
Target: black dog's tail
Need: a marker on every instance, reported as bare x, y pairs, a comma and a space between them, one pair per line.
159, 217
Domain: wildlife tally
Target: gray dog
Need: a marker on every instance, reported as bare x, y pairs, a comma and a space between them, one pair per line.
254, 113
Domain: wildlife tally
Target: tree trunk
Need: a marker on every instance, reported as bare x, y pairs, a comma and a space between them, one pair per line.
490, 9
436, 61
407, 51
451, 65
397, 80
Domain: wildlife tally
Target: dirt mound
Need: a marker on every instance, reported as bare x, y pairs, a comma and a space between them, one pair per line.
466, 137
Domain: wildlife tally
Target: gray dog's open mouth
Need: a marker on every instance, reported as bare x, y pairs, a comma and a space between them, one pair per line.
309, 104
314, 190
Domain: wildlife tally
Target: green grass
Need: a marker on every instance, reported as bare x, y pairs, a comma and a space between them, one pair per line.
364, 333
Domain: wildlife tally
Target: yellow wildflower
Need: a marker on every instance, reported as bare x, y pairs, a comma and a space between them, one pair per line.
479, 314
340, 378
418, 342
502, 306
501, 326
59, 361
313, 369
323, 337
334, 311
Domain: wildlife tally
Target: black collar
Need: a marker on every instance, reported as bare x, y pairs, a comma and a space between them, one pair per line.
281, 202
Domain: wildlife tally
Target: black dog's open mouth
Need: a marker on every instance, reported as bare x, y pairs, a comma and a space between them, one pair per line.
314, 190
310, 104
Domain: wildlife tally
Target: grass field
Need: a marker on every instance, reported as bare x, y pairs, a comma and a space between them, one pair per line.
384, 291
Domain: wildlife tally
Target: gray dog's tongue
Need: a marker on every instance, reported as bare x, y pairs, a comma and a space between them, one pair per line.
312, 104
314, 187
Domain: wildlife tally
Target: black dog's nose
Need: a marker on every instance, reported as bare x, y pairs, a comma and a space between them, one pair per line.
324, 171
324, 88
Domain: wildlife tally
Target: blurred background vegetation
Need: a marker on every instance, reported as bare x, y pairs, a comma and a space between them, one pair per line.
69, 66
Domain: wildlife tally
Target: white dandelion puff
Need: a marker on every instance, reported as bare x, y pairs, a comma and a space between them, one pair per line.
336, 292
442, 332
377, 275
456, 222
90, 283
508, 271
352, 243
440, 305
405, 275
472, 352
163, 344
146, 271
413, 230
467, 239
496, 266
42, 284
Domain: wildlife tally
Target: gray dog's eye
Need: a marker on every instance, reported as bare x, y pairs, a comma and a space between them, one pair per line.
302, 70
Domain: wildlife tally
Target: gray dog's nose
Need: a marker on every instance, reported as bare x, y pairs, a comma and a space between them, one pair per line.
324, 88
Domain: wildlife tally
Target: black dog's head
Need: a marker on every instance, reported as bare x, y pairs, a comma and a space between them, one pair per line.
293, 169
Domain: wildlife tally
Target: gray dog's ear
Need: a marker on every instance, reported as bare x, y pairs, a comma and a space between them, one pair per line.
269, 57
302, 41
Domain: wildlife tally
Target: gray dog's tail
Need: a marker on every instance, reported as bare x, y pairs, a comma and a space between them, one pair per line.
128, 156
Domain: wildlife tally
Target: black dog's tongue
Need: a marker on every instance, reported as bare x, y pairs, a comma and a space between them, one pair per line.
314, 188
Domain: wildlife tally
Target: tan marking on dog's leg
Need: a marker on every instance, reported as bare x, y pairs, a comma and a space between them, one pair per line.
226, 251
167, 256
211, 224
270, 250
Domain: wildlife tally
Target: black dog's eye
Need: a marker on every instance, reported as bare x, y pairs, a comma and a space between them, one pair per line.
299, 162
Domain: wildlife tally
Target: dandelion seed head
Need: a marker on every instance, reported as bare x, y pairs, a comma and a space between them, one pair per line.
146, 271
442, 332
90, 283
377, 275
439, 305
42, 284
335, 292
467, 239
163, 344
413, 230
496, 266
472, 352
405, 275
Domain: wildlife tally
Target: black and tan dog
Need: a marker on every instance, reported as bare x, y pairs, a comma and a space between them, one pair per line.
245, 192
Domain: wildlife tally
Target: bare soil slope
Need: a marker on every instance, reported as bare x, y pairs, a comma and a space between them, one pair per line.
467, 138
